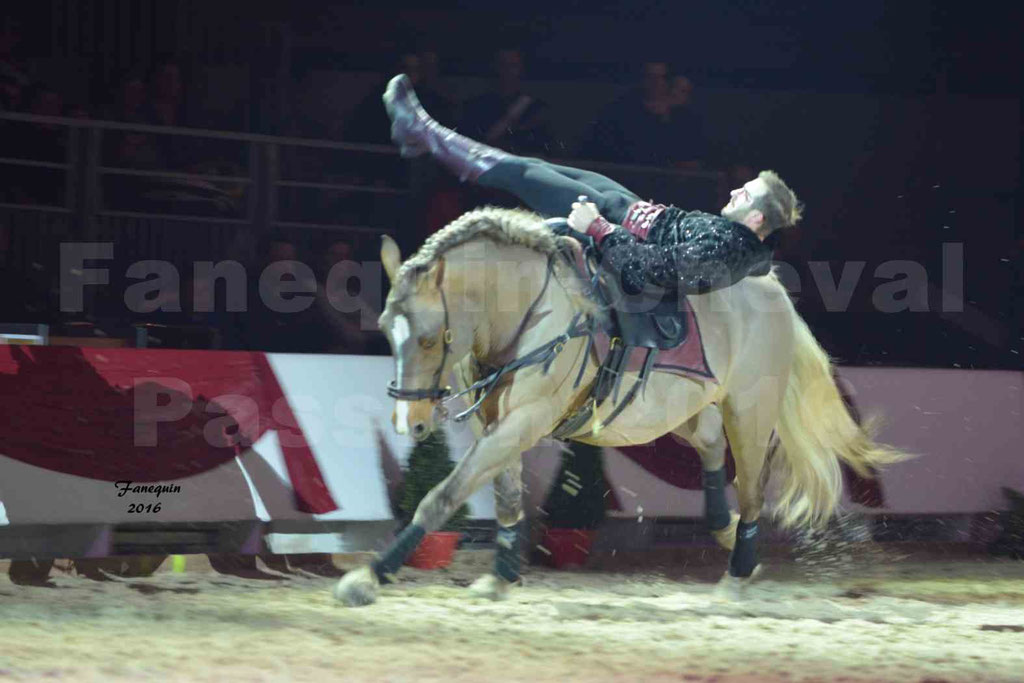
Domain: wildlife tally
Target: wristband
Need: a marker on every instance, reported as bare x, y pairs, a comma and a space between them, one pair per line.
599, 228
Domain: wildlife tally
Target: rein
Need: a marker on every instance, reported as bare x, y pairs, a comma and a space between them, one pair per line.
544, 353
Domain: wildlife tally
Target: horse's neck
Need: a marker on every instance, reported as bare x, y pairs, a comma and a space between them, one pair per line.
524, 307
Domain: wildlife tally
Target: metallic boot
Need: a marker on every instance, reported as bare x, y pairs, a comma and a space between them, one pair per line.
416, 133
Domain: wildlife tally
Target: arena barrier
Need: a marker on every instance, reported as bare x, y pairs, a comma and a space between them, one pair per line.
296, 453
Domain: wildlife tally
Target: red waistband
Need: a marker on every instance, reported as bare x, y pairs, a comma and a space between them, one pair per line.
640, 217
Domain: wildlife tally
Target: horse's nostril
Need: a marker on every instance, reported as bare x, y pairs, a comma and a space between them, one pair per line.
419, 428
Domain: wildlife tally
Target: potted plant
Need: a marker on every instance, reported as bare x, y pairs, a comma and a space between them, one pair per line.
429, 464
575, 506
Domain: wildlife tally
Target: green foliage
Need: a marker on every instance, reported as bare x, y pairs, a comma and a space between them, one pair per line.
429, 464
577, 498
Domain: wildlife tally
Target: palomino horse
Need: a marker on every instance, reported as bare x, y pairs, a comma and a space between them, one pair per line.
491, 290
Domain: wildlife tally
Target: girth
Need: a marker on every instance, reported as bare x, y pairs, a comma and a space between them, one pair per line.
654, 321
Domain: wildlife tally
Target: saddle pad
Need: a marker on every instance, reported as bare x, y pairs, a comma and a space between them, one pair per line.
687, 359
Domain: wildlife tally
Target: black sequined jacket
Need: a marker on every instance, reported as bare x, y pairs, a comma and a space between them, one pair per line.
691, 252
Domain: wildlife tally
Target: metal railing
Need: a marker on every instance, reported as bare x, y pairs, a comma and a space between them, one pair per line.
85, 170
269, 188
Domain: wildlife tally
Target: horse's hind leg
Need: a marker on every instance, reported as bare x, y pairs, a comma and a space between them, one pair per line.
750, 418
508, 506
705, 432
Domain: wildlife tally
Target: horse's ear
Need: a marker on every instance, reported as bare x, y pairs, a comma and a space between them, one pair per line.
390, 256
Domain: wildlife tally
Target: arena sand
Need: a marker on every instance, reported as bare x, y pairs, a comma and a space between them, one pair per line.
896, 620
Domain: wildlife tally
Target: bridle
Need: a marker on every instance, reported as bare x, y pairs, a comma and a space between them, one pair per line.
436, 392
542, 354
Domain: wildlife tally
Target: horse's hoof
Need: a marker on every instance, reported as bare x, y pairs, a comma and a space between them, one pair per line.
726, 537
731, 588
357, 588
491, 587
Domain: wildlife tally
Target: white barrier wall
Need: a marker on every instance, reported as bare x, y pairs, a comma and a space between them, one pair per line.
965, 424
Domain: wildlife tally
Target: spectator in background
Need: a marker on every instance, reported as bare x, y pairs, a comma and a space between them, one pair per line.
369, 124
166, 105
653, 124
39, 142
259, 327
434, 196
429, 74
741, 172
337, 297
77, 110
311, 329
10, 93
14, 73
129, 100
507, 116
129, 149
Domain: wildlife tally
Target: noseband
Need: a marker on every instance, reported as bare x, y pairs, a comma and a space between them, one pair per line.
543, 354
436, 392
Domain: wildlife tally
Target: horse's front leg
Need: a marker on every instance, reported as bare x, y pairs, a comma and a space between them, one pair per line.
508, 506
520, 430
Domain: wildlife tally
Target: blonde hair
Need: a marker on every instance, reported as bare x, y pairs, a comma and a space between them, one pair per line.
780, 207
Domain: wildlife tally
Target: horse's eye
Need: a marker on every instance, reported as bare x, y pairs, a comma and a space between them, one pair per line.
428, 342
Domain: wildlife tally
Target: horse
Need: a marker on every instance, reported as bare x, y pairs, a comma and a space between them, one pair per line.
492, 298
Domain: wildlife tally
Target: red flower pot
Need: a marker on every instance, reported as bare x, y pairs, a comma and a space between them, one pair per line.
568, 547
435, 551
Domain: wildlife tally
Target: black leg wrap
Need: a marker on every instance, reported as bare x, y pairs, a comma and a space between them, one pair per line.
508, 558
400, 549
716, 507
744, 555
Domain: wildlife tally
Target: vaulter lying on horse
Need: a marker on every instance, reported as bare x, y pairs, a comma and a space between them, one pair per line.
686, 251
457, 299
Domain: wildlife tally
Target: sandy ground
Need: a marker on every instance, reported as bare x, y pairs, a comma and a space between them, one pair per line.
888, 620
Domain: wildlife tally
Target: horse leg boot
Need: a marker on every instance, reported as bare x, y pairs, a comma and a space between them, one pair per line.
519, 431
508, 505
359, 587
749, 438
416, 133
704, 431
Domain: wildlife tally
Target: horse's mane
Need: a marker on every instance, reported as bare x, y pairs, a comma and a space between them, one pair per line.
512, 227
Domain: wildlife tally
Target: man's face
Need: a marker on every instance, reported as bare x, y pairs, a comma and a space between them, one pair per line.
655, 79
509, 64
282, 251
134, 94
745, 199
338, 252
47, 104
682, 88
168, 81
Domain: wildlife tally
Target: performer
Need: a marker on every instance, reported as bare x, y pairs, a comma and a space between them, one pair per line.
647, 243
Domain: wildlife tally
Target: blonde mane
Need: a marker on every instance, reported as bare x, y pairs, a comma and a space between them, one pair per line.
512, 227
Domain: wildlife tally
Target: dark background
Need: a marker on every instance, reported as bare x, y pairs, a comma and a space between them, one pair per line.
898, 124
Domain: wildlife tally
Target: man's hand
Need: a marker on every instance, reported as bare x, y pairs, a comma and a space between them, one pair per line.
583, 214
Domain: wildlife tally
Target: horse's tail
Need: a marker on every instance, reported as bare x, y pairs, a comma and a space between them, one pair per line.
817, 433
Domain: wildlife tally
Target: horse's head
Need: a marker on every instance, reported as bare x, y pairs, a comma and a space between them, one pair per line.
418, 325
